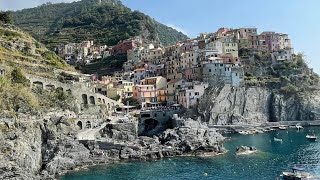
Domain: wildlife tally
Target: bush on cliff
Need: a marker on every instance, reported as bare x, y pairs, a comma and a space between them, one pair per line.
18, 77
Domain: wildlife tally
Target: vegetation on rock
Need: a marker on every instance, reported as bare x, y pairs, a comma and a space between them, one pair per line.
288, 77
21, 54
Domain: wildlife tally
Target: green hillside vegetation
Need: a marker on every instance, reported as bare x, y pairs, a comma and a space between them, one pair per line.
287, 77
20, 54
18, 49
107, 23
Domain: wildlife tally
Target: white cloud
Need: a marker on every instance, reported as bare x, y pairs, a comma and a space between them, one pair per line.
178, 28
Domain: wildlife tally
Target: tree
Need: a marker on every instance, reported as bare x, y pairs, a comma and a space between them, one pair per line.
5, 17
132, 101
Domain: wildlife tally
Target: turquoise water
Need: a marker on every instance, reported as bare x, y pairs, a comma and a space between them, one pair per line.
268, 163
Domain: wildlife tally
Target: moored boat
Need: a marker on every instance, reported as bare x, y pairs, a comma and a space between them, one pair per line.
311, 137
283, 127
277, 139
298, 126
296, 174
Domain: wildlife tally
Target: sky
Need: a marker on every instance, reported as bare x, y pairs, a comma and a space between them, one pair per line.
300, 19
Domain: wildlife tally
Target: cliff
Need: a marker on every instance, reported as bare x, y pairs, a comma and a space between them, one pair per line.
250, 105
45, 148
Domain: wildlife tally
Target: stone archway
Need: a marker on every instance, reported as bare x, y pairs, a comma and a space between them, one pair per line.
84, 99
37, 84
79, 124
50, 87
88, 125
92, 100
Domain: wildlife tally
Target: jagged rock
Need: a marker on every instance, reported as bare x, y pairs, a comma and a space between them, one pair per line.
257, 105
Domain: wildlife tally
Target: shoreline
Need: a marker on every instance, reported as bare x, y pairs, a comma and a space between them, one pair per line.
264, 127
203, 154
113, 162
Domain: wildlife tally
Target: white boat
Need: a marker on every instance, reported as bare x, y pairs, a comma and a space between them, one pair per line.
298, 126
276, 139
311, 137
283, 127
296, 174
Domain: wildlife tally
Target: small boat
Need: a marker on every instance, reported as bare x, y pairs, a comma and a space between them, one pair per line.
283, 127
311, 137
298, 126
296, 174
276, 139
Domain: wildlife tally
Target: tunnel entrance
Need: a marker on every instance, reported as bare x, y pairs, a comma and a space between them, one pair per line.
150, 124
79, 124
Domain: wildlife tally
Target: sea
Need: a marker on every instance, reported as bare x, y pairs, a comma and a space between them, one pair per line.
271, 159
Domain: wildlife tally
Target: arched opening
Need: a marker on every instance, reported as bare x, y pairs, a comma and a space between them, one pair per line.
84, 99
104, 101
88, 124
92, 100
59, 89
150, 124
99, 100
37, 84
69, 91
79, 124
108, 105
50, 87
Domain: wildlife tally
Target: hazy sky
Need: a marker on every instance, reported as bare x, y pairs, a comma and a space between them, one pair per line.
300, 19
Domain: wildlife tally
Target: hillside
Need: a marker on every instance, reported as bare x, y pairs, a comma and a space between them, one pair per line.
20, 54
106, 21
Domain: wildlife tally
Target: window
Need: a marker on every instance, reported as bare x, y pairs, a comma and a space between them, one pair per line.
196, 93
155, 114
209, 70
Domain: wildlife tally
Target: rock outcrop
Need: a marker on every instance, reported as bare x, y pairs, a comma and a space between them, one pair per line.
256, 105
46, 148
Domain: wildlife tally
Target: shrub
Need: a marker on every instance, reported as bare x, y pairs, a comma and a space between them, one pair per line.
18, 77
289, 89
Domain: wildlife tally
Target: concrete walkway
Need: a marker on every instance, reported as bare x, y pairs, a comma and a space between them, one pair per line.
90, 134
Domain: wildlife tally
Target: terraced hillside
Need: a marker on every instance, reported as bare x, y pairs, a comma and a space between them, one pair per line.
105, 21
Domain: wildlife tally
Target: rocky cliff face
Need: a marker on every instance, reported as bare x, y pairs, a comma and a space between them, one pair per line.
45, 148
249, 105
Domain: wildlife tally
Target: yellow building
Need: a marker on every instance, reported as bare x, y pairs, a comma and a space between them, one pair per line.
128, 88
